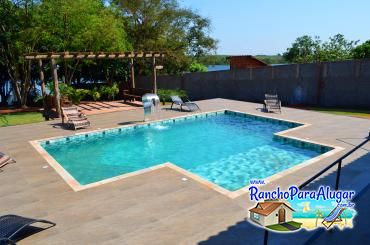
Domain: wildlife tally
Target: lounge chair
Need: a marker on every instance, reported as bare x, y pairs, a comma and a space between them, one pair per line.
74, 118
272, 103
176, 100
11, 225
5, 159
334, 216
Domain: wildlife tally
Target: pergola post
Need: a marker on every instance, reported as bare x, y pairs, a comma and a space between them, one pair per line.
154, 76
56, 88
43, 89
132, 73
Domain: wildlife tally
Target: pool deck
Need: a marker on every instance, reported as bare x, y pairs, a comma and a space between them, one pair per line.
158, 207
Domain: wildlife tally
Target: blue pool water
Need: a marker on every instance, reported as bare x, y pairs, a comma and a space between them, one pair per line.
227, 149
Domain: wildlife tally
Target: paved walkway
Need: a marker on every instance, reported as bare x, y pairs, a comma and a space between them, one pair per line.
157, 207
99, 107
5, 110
88, 108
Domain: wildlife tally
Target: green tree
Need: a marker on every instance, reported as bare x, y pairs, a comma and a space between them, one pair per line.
337, 48
79, 25
52, 26
362, 51
16, 38
213, 60
163, 25
307, 49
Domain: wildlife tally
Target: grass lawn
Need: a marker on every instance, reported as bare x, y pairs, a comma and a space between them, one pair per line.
20, 118
279, 227
295, 224
339, 111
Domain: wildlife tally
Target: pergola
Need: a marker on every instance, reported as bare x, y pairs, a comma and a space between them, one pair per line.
52, 57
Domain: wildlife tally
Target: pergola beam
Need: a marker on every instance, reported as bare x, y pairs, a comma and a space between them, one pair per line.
93, 55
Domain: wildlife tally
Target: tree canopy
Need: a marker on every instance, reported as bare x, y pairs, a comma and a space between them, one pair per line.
96, 25
308, 49
164, 25
79, 25
362, 51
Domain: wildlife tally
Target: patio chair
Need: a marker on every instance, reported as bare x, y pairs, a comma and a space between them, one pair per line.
272, 103
74, 118
176, 100
4, 160
13, 225
334, 216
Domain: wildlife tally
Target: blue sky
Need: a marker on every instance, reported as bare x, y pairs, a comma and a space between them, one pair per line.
270, 26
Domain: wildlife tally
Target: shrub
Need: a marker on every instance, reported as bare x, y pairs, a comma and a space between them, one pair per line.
76, 95
67, 91
110, 92
197, 67
95, 94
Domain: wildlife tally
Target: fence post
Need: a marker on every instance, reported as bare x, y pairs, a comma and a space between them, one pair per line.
338, 175
266, 237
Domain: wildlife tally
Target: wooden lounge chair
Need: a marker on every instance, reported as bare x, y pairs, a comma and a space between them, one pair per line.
334, 216
176, 100
272, 103
135, 94
74, 118
11, 225
4, 160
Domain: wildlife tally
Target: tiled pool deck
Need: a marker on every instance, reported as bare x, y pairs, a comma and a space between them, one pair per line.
155, 207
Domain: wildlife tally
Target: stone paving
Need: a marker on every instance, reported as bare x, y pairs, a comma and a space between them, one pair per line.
159, 207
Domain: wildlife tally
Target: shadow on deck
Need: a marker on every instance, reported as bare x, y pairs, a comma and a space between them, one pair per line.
355, 176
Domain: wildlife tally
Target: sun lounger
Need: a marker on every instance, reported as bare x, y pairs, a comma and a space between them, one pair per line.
74, 118
176, 100
11, 225
334, 216
5, 159
272, 103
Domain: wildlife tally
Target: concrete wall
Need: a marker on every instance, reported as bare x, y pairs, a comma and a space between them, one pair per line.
340, 84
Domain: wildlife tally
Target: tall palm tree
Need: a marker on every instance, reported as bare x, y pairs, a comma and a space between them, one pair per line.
345, 217
319, 214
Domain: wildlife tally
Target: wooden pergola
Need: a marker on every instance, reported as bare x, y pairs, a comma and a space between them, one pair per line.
52, 57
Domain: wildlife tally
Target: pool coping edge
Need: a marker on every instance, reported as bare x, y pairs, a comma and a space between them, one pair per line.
76, 186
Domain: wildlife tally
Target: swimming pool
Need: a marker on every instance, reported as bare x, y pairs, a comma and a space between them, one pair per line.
226, 148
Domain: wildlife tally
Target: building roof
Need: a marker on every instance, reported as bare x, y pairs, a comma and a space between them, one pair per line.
266, 208
246, 56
